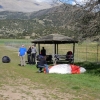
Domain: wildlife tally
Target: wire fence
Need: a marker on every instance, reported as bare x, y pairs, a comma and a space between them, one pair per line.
83, 51
87, 52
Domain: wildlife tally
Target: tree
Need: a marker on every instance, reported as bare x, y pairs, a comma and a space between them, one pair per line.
88, 22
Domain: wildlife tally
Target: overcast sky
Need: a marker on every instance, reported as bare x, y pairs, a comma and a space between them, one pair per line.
24, 5
28, 5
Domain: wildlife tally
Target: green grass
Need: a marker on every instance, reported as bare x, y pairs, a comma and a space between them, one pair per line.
81, 86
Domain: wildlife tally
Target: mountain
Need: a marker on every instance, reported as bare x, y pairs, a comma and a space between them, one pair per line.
13, 15
18, 24
1, 6
58, 19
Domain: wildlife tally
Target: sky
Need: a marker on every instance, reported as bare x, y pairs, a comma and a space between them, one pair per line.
44, 0
24, 5
29, 5
73, 1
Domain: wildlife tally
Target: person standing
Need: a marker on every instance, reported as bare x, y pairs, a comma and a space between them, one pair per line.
22, 53
29, 55
43, 51
33, 54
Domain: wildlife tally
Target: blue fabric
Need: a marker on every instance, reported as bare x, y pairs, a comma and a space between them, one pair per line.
46, 66
22, 51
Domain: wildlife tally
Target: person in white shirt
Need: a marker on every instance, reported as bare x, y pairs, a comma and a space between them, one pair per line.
33, 54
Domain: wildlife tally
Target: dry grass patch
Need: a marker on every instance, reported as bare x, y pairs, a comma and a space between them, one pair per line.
23, 83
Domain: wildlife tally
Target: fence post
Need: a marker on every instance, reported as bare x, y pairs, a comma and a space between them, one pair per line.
86, 51
97, 51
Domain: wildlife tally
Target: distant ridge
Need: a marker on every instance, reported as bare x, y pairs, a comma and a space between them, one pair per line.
59, 19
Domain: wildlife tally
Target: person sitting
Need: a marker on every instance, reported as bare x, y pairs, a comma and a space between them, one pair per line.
69, 56
42, 64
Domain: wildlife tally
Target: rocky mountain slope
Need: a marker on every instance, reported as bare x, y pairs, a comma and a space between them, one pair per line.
61, 19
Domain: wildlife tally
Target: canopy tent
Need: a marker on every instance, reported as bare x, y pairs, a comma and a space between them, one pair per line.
55, 39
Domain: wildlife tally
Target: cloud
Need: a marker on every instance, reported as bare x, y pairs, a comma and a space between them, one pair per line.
24, 5
44, 0
32, 5
81, 2
73, 2
40, 0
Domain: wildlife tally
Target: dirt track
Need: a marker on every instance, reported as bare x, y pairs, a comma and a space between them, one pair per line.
23, 89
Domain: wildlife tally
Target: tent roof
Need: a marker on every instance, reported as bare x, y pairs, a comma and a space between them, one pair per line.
54, 38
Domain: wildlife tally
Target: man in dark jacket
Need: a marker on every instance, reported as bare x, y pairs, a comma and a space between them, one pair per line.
29, 54
43, 51
42, 63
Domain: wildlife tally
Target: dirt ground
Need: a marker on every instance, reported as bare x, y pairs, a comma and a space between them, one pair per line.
24, 89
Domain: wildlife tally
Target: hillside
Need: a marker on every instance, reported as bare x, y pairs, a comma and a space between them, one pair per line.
61, 19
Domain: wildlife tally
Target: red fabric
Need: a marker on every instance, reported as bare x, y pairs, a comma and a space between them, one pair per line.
45, 68
75, 69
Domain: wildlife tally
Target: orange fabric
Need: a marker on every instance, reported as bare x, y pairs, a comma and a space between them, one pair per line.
75, 69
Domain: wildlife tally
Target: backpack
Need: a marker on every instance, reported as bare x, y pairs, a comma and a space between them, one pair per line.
5, 59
